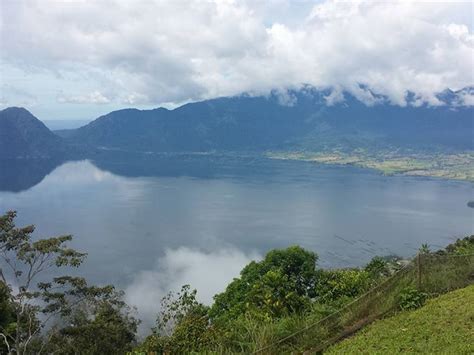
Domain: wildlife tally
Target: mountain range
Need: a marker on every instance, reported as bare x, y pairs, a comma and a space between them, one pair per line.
300, 120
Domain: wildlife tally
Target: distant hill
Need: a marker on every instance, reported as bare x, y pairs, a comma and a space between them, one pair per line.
55, 125
302, 120
22, 135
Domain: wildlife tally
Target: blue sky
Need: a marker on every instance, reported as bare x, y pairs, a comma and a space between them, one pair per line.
77, 59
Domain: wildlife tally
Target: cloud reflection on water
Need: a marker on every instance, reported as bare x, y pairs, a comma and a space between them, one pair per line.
208, 272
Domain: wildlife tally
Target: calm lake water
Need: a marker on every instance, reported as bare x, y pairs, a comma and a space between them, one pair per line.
151, 224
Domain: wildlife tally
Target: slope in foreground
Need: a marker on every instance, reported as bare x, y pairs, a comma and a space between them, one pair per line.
444, 325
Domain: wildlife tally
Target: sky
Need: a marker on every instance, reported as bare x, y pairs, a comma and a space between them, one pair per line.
78, 59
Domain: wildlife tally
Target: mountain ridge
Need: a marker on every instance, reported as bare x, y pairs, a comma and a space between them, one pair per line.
302, 120
22, 135
259, 123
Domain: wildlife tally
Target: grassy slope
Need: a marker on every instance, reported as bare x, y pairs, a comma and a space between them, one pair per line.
444, 325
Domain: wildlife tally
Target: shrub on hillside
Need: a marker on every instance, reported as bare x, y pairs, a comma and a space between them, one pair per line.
462, 246
281, 284
411, 298
342, 284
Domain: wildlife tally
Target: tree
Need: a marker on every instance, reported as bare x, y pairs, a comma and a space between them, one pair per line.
282, 283
378, 268
24, 260
65, 298
101, 325
182, 325
462, 246
7, 318
174, 307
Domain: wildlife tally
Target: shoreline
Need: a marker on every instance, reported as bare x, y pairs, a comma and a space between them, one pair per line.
459, 167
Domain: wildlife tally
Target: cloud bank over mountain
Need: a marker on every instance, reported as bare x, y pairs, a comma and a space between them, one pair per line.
113, 53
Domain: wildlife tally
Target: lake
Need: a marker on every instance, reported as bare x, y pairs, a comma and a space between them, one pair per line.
153, 223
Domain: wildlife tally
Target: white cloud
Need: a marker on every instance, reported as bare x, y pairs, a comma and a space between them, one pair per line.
12, 94
465, 97
94, 97
136, 98
335, 96
152, 52
208, 272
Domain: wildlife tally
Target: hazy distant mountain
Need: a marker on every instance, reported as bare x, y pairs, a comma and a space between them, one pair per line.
296, 120
22, 135
299, 119
55, 125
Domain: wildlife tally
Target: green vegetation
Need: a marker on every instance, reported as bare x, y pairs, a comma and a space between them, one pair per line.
463, 246
411, 298
281, 284
445, 325
459, 166
65, 315
283, 303
271, 299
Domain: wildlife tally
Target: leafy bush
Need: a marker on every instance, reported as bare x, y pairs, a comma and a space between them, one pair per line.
182, 326
281, 284
462, 246
346, 283
411, 298
174, 308
192, 333
377, 267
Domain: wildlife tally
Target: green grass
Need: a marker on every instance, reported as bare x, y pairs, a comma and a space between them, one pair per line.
444, 325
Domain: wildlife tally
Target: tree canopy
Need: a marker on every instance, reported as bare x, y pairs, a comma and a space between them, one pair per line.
63, 315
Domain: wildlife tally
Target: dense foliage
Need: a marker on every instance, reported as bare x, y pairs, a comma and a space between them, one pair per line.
7, 316
462, 246
281, 284
105, 328
411, 298
277, 293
